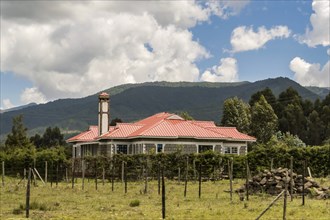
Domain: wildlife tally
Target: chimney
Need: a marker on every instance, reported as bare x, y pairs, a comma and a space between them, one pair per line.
104, 113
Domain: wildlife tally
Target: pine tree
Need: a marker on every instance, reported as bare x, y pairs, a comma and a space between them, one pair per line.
18, 138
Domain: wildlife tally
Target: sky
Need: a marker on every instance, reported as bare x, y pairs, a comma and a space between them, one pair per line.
70, 49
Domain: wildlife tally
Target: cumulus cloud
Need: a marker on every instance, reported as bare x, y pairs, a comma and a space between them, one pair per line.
320, 21
7, 104
30, 95
310, 74
227, 71
244, 38
75, 48
225, 9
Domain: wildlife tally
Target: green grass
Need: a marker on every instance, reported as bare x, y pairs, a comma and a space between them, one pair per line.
63, 202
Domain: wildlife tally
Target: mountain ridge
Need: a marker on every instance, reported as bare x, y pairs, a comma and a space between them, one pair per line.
131, 102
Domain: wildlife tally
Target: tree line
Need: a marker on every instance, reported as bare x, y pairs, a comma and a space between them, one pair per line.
265, 115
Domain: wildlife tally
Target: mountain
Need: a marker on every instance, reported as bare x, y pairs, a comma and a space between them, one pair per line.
130, 102
18, 107
321, 91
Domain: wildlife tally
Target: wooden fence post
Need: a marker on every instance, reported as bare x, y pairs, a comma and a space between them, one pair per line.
52, 174
73, 171
46, 171
271, 163
163, 195
3, 173
66, 175
125, 176
285, 195
112, 175
103, 175
82, 174
146, 178
24, 173
57, 174
230, 178
270, 205
95, 165
200, 181
303, 183
247, 181
122, 171
194, 167
27, 203
186, 177
291, 178
158, 177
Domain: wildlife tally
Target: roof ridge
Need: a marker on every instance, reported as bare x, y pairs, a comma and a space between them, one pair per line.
152, 126
207, 128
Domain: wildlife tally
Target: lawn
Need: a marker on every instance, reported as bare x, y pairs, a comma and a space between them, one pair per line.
63, 202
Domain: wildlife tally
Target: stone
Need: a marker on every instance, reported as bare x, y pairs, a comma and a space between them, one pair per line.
308, 185
263, 181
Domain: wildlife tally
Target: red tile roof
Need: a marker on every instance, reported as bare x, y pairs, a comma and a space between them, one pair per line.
165, 125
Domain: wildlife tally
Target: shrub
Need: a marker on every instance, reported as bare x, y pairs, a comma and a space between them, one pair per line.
17, 211
134, 203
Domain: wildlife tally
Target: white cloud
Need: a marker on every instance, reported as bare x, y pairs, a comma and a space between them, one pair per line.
227, 71
320, 21
245, 38
7, 104
76, 48
310, 74
225, 9
30, 95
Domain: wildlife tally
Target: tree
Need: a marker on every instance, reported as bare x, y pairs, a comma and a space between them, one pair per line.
36, 140
186, 116
18, 138
263, 120
315, 129
286, 139
52, 137
236, 113
269, 96
115, 121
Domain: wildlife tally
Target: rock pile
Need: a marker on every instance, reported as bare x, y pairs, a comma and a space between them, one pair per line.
273, 182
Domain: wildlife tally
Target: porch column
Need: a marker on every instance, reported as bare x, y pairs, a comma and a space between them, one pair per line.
143, 148
213, 147
197, 148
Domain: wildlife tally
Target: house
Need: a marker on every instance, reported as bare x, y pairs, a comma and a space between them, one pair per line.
161, 133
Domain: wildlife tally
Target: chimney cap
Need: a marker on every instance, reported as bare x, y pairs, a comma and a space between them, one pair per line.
104, 95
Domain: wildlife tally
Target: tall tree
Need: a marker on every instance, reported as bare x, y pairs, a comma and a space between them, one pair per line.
52, 137
236, 113
269, 96
18, 138
263, 120
315, 129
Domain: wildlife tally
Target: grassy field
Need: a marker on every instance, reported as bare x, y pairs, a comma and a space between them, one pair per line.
63, 202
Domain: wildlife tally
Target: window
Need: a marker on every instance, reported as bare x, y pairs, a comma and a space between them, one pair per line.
159, 148
121, 148
203, 148
227, 150
234, 150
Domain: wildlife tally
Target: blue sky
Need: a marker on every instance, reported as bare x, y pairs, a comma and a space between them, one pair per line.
73, 49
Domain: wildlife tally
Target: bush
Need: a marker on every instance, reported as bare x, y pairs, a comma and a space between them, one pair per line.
17, 211
134, 203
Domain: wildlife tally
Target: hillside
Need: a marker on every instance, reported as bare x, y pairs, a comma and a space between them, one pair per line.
134, 101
